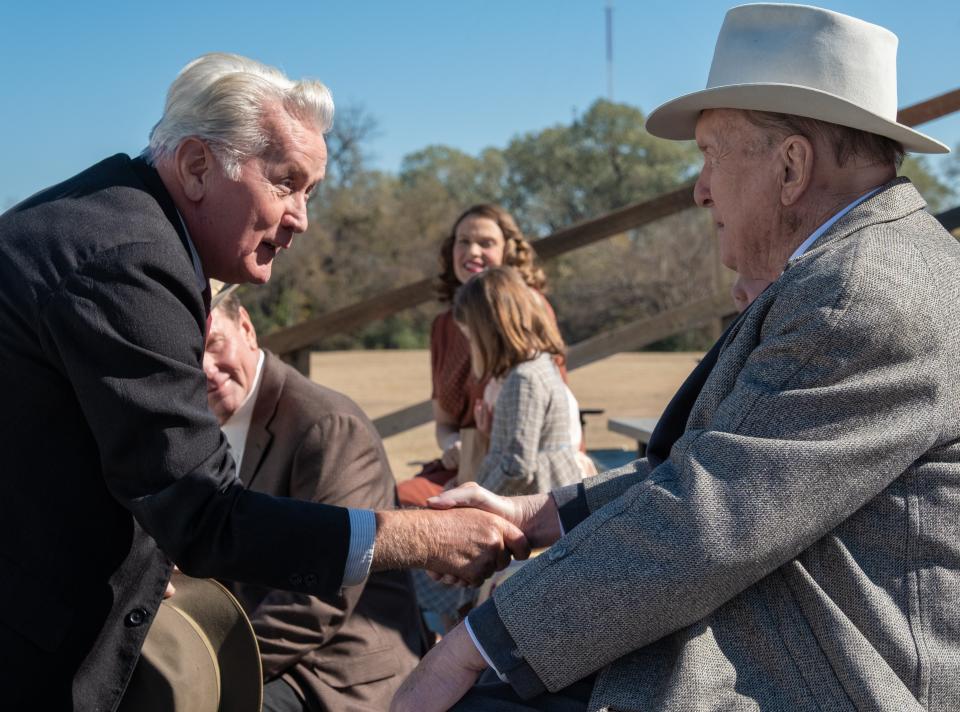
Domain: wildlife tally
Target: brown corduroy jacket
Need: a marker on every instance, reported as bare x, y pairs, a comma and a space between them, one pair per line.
344, 652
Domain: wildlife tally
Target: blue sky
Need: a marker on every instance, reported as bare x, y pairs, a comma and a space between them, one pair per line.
85, 80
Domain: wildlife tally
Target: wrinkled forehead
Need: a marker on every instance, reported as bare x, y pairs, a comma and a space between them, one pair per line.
729, 127
293, 139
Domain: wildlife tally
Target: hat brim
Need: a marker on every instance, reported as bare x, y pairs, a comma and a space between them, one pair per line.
221, 618
677, 119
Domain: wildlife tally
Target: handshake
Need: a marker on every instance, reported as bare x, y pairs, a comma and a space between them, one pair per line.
466, 534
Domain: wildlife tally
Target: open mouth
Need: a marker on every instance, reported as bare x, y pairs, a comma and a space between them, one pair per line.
473, 267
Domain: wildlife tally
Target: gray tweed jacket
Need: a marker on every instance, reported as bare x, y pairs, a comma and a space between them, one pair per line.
530, 447
800, 548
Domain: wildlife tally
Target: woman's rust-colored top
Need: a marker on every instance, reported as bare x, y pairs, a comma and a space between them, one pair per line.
454, 387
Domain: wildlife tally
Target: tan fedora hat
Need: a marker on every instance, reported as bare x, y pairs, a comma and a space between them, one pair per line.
800, 60
200, 655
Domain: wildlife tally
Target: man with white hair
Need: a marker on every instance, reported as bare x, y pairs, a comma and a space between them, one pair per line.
114, 467
792, 539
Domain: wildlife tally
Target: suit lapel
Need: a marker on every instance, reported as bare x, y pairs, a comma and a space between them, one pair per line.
259, 435
673, 422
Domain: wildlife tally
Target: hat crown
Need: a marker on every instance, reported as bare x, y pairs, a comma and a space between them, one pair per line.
806, 46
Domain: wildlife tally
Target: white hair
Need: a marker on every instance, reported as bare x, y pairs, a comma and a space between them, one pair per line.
221, 99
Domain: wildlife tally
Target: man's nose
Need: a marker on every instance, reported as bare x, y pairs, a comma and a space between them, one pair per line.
295, 218
209, 367
701, 190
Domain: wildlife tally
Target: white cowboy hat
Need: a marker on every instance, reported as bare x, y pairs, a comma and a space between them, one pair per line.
800, 60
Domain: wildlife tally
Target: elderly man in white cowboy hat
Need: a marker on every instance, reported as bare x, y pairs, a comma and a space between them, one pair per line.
792, 540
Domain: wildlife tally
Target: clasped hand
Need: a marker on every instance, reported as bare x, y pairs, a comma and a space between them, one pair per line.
452, 666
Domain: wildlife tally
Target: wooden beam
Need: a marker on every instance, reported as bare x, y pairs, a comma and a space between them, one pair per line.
630, 337
930, 109
628, 218
356, 315
648, 331
400, 421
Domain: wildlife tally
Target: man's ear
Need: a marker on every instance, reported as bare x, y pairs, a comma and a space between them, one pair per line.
796, 153
249, 333
194, 164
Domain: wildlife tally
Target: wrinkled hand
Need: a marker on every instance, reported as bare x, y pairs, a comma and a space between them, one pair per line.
451, 456
535, 515
483, 416
442, 677
466, 544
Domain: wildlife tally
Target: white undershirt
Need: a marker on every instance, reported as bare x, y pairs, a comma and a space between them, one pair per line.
238, 424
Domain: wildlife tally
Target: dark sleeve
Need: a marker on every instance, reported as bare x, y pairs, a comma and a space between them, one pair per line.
127, 331
571, 504
503, 652
339, 461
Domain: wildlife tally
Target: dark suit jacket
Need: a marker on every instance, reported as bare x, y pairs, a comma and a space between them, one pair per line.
112, 463
347, 651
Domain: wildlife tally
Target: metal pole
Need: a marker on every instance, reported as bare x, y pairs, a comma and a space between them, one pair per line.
609, 14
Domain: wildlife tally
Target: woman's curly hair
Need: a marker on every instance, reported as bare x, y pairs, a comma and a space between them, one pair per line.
517, 252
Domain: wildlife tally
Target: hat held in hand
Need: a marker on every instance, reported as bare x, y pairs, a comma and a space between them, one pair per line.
200, 655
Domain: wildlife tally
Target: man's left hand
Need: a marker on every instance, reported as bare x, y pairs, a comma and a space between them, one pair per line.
443, 676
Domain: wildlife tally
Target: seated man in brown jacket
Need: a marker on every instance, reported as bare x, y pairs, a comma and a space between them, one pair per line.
293, 438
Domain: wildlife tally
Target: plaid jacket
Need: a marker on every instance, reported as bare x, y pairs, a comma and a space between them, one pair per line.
530, 444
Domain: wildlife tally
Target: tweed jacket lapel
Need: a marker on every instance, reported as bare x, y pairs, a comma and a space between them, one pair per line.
259, 436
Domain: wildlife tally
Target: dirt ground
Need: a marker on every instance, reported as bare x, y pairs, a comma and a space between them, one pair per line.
625, 385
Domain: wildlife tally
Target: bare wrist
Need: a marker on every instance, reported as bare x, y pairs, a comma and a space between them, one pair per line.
541, 519
398, 543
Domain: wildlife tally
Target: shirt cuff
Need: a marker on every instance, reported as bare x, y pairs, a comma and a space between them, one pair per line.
500, 651
476, 643
572, 506
363, 531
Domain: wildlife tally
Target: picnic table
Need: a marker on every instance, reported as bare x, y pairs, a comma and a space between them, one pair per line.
638, 429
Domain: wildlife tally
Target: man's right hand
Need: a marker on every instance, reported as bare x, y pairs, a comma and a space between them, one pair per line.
466, 544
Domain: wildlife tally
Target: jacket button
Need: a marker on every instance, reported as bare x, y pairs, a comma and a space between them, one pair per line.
557, 552
310, 580
135, 617
296, 579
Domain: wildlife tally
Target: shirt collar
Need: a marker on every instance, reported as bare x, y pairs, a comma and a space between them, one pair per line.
805, 245
236, 427
194, 257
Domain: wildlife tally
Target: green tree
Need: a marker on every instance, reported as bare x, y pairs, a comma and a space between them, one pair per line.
602, 161
937, 194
